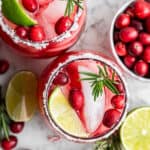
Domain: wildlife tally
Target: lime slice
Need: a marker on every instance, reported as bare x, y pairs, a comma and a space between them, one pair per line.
64, 115
135, 131
21, 96
14, 11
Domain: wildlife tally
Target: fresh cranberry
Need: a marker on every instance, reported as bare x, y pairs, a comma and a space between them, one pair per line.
22, 32
61, 79
129, 61
63, 24
147, 25
76, 99
30, 5
9, 144
4, 66
118, 101
116, 36
111, 117
37, 34
16, 127
141, 9
146, 54
137, 25
119, 86
144, 38
141, 68
122, 21
136, 48
121, 49
130, 11
128, 34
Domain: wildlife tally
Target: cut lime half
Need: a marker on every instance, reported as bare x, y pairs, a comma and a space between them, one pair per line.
135, 131
14, 11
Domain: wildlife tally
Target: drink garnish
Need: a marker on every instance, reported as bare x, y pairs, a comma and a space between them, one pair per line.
100, 80
70, 6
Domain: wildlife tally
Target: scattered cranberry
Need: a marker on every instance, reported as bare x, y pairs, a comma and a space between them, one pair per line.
116, 36
137, 25
147, 25
128, 34
63, 24
141, 68
119, 86
76, 99
9, 144
136, 48
22, 32
141, 9
111, 117
129, 61
61, 79
144, 38
30, 5
121, 49
122, 21
37, 34
118, 101
4, 66
16, 127
146, 54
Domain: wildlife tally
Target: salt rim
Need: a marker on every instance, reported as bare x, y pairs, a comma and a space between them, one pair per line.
54, 74
43, 44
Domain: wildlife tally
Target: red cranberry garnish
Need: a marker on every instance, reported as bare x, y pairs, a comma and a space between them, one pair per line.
128, 34
137, 25
9, 144
146, 54
136, 48
141, 9
118, 101
121, 49
147, 24
144, 38
141, 68
63, 24
22, 32
130, 11
111, 117
4, 66
16, 127
37, 34
76, 99
119, 86
61, 79
122, 21
129, 61
30, 5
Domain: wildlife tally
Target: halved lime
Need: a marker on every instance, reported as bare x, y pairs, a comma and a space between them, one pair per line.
21, 96
64, 115
14, 11
135, 131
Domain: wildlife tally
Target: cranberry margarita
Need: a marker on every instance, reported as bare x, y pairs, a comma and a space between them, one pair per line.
83, 96
41, 28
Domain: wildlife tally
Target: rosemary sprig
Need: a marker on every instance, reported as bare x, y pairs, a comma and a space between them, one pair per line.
70, 6
101, 80
112, 143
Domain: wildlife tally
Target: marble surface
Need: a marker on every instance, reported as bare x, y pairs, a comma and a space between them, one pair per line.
96, 36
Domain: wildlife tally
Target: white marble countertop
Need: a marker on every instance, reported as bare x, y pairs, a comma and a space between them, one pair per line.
95, 36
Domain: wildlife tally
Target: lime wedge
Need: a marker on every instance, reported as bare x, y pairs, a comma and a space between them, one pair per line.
135, 131
14, 11
21, 96
64, 115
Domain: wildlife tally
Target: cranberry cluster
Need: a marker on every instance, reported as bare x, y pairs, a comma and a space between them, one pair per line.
132, 37
36, 33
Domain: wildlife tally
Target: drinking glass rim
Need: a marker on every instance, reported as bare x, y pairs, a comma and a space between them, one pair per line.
40, 45
49, 83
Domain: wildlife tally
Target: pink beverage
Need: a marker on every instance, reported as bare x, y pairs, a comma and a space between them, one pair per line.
41, 28
83, 96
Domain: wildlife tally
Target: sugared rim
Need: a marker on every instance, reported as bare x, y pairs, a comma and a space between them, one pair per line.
129, 72
40, 45
73, 57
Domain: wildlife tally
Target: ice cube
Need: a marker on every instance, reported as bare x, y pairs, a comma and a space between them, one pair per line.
93, 110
